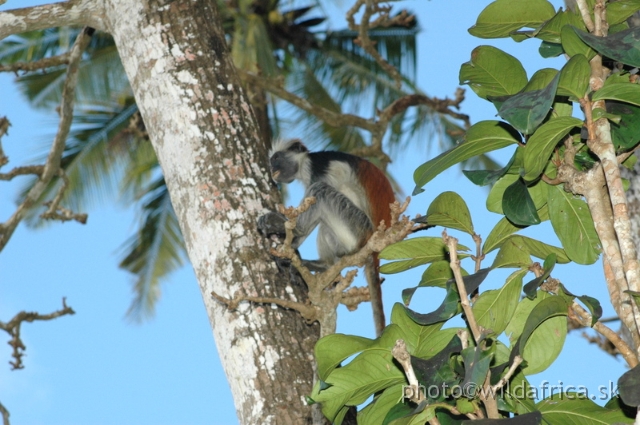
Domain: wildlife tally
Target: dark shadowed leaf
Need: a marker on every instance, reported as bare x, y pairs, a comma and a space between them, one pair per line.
550, 50
531, 288
623, 46
629, 387
576, 408
518, 206
594, 307
527, 110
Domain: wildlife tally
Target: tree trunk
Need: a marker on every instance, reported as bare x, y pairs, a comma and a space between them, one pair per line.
206, 138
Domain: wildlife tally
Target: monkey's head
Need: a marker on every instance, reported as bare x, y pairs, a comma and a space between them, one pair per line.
286, 159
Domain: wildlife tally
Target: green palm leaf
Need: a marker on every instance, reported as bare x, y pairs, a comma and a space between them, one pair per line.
154, 251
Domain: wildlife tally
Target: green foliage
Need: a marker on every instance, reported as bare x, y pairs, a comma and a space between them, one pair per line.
538, 114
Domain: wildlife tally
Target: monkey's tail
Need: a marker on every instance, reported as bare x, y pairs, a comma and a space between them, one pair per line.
372, 273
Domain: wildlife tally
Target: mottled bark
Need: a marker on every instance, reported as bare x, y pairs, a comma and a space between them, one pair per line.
206, 137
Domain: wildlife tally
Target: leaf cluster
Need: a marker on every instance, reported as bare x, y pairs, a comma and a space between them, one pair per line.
537, 121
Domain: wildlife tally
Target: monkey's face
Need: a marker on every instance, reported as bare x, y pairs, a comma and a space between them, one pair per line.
283, 167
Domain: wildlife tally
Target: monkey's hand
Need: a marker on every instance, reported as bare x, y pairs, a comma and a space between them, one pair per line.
272, 223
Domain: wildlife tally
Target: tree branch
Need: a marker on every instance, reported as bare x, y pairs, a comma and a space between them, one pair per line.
52, 164
68, 13
12, 327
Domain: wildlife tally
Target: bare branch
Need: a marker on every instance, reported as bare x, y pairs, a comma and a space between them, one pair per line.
12, 327
69, 13
51, 167
503, 381
3, 410
334, 119
44, 63
4, 127
584, 318
412, 391
452, 244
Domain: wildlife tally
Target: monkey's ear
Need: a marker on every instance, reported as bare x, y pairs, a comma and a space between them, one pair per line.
297, 146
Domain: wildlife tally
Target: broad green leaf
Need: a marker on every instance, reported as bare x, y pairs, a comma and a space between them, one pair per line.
331, 350
574, 226
620, 10
538, 193
542, 250
370, 372
449, 210
422, 341
629, 93
492, 72
577, 409
541, 354
545, 345
437, 274
494, 200
504, 229
482, 137
518, 206
526, 111
574, 77
376, 411
551, 31
542, 143
414, 252
623, 46
629, 387
502, 17
573, 45
494, 308
513, 254
540, 79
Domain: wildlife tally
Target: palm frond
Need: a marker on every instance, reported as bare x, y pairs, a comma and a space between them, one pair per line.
154, 251
101, 81
95, 157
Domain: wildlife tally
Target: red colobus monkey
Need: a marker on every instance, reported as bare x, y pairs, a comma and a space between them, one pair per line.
352, 197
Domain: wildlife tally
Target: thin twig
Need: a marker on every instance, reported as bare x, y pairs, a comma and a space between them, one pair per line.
12, 327
52, 164
412, 391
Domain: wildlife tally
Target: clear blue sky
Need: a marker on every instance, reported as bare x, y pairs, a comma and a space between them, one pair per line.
96, 368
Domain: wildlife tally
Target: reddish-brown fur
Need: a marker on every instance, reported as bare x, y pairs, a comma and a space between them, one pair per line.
380, 194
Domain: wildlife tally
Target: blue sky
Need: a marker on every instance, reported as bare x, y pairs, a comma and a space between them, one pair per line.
97, 368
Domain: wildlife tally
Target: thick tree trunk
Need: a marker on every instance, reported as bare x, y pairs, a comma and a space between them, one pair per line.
206, 138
